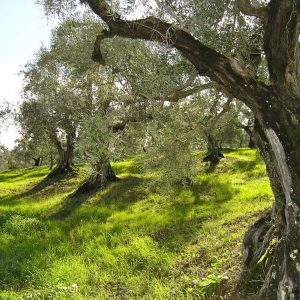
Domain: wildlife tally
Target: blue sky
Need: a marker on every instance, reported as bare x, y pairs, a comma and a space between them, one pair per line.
23, 30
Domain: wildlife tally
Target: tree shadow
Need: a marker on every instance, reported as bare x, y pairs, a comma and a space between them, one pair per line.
218, 191
210, 193
9, 176
46, 183
124, 193
119, 194
70, 204
180, 224
244, 166
211, 168
178, 233
49, 184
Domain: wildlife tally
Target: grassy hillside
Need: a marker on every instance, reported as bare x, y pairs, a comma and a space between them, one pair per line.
134, 240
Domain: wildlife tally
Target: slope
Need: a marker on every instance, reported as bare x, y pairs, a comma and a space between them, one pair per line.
134, 240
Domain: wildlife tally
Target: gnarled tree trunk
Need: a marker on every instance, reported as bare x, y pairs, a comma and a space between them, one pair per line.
66, 156
101, 176
51, 164
272, 245
65, 163
214, 154
250, 133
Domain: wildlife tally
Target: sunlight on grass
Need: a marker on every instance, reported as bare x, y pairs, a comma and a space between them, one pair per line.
132, 240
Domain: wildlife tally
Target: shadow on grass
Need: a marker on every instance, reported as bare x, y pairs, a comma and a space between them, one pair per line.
51, 184
124, 193
70, 204
211, 168
4, 177
46, 183
247, 165
218, 192
119, 194
210, 195
10, 176
180, 228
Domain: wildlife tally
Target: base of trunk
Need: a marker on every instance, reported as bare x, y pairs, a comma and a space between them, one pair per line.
271, 261
257, 252
251, 144
214, 157
272, 246
99, 180
214, 153
62, 170
94, 184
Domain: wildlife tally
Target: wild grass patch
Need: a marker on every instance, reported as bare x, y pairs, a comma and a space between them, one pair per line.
132, 240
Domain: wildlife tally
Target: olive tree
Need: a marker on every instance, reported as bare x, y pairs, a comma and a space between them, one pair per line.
47, 109
61, 89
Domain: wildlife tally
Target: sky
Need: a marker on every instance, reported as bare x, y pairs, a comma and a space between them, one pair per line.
23, 30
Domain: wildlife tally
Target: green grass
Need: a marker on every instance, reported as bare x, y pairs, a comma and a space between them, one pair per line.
134, 240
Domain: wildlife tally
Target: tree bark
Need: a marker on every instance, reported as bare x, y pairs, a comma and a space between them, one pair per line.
272, 245
101, 176
251, 143
66, 156
250, 133
65, 163
214, 154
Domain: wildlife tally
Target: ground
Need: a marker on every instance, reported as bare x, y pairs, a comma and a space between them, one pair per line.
134, 240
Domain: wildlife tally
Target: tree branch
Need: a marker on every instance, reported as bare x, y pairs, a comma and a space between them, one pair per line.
226, 71
189, 81
54, 138
181, 94
247, 8
216, 119
178, 95
247, 129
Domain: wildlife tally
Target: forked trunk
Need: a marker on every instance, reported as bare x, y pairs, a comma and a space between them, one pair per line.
65, 157
272, 244
101, 176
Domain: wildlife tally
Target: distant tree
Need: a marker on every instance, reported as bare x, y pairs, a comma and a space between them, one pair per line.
5, 115
60, 91
3, 158
36, 150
